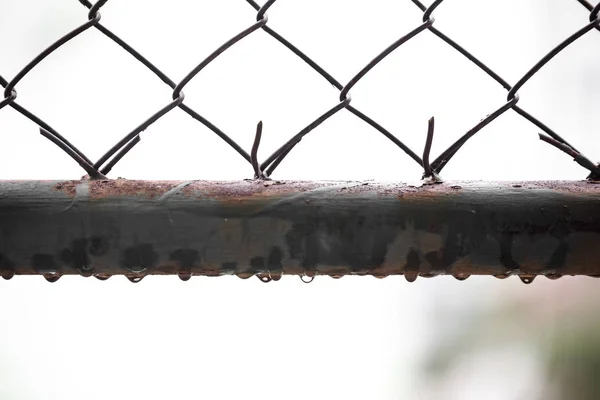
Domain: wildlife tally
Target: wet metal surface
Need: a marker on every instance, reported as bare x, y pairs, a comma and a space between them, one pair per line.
272, 228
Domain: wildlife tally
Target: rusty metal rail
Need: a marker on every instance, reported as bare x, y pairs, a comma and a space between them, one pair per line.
273, 228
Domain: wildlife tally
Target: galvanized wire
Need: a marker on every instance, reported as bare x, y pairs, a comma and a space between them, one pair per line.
262, 170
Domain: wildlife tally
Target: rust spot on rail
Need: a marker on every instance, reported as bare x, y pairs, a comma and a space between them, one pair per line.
239, 190
250, 188
118, 188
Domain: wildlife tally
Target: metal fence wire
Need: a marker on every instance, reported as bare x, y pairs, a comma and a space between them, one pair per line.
262, 170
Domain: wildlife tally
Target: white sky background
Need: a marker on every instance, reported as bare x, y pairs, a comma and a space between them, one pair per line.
226, 338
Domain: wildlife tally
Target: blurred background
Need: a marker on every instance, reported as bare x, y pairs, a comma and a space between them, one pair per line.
354, 338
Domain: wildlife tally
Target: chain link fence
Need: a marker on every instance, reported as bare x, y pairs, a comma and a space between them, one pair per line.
263, 169
268, 229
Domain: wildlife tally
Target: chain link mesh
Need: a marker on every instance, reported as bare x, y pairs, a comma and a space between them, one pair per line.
263, 169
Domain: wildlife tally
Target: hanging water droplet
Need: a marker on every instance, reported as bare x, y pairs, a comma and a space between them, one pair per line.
52, 277
527, 279
275, 275
461, 277
336, 276
306, 278
411, 276
7, 275
552, 274
185, 275
380, 276
102, 277
311, 272
86, 273
135, 279
244, 275
264, 278
502, 276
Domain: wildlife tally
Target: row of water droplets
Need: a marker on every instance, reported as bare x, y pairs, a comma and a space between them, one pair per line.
306, 277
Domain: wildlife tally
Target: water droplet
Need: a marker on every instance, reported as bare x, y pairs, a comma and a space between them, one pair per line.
102, 277
380, 276
275, 275
311, 272
336, 276
86, 273
245, 275
306, 278
502, 276
527, 279
461, 277
552, 274
185, 275
6, 275
411, 276
135, 279
52, 277
264, 278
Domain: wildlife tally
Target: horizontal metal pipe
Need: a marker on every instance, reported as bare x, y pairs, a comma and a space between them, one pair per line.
270, 228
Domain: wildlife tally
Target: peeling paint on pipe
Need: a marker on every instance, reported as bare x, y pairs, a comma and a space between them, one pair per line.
270, 228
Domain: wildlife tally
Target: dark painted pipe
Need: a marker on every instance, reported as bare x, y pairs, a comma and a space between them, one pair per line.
270, 228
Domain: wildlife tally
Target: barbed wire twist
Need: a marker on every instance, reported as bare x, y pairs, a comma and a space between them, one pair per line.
100, 168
